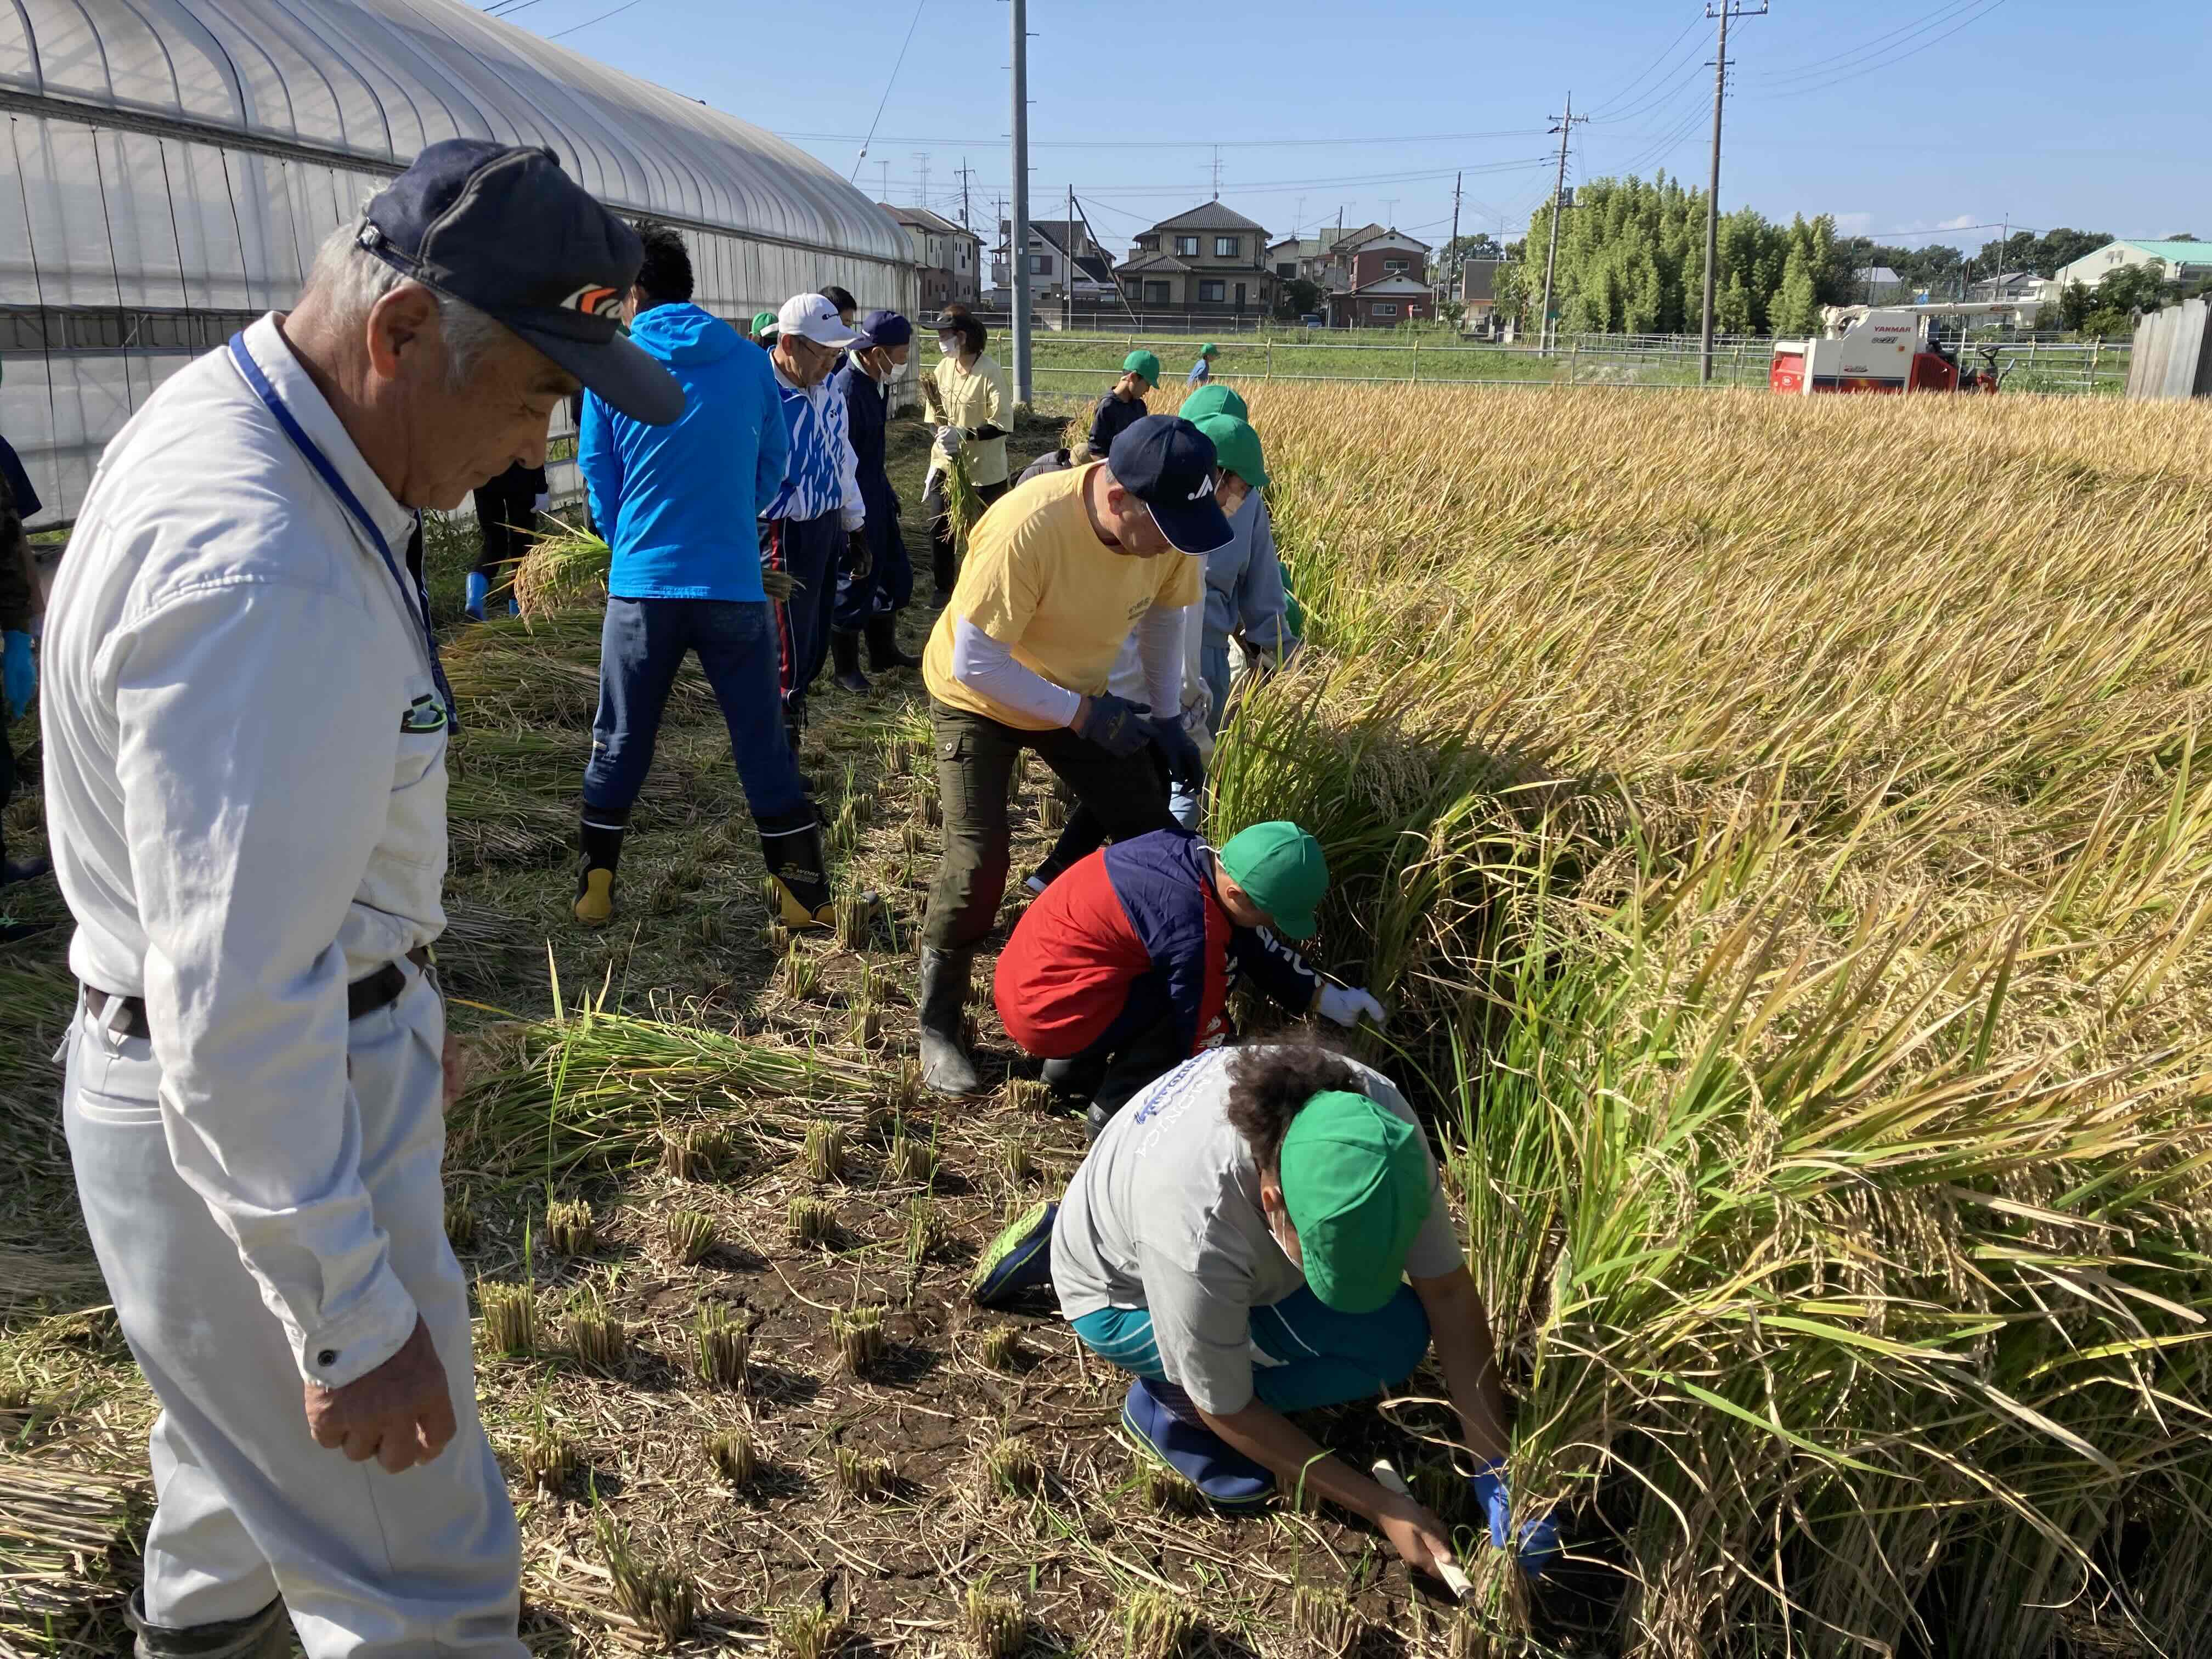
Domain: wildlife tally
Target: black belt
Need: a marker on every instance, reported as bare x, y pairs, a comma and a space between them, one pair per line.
363, 997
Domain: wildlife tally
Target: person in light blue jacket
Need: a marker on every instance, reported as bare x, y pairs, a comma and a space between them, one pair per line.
1244, 593
679, 505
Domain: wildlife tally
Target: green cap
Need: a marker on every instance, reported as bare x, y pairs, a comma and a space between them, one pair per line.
1214, 399
1235, 445
1208, 349
763, 321
1356, 1183
1281, 870
1144, 363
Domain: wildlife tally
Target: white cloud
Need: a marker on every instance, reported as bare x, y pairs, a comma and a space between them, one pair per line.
1959, 222
1855, 224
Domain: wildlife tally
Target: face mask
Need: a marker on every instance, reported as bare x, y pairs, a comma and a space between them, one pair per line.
946, 345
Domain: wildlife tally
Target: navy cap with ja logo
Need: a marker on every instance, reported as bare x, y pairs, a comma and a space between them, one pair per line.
1168, 464
503, 229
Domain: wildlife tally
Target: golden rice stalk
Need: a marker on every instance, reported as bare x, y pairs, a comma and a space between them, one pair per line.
563, 571
57, 1526
658, 1596
800, 975
460, 1221
734, 1456
926, 1231
859, 1333
509, 1314
571, 1229
811, 1222
1052, 812
996, 1625
1167, 1489
862, 1476
1017, 1158
825, 1151
720, 1348
866, 1026
1156, 1625
690, 1235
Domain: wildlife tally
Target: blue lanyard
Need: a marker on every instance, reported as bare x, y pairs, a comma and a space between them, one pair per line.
414, 596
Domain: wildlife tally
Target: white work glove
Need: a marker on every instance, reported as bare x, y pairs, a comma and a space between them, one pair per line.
1346, 1007
948, 441
1197, 709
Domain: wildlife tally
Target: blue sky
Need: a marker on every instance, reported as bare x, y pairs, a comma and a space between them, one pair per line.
1928, 117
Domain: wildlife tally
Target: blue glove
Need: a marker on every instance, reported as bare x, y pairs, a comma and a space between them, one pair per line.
1185, 764
1536, 1546
19, 675
1116, 724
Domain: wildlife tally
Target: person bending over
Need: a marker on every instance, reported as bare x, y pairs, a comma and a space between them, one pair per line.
1125, 966
1238, 1241
1124, 406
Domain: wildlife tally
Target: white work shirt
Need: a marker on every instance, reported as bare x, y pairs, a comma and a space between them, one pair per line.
245, 802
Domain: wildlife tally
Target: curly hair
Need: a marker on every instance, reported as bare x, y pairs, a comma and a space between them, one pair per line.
1269, 1086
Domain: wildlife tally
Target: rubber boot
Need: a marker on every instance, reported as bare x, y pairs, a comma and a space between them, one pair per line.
479, 590
264, 1635
601, 840
946, 1066
791, 847
883, 652
845, 652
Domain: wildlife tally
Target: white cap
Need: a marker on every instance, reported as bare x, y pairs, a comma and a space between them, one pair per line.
812, 317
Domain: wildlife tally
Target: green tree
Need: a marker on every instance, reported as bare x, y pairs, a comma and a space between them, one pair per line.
1732, 306
1796, 306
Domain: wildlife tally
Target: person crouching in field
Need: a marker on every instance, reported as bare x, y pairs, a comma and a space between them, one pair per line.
1244, 595
1124, 967
1237, 1241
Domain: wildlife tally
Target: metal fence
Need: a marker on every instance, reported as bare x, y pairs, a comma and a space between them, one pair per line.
1067, 364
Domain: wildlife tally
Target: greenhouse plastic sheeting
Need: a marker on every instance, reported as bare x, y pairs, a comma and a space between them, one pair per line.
179, 161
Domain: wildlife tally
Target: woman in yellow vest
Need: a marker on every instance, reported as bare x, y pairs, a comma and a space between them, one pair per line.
967, 396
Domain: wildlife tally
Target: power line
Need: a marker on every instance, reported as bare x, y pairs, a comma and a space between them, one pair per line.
1885, 63
1183, 143
1665, 51
1825, 64
887, 85
1670, 84
588, 22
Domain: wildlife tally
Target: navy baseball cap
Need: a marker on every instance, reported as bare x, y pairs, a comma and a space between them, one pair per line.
886, 328
503, 229
1168, 464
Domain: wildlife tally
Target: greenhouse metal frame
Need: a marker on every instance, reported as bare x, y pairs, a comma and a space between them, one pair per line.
177, 163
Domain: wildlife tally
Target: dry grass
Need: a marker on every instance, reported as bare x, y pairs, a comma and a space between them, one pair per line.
995, 1626
508, 1314
720, 1348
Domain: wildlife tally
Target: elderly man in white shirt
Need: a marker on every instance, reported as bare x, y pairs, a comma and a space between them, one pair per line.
246, 729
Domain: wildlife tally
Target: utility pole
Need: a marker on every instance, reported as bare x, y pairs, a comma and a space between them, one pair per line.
1018, 242
964, 171
1217, 172
1067, 252
886, 167
1722, 10
1565, 129
1451, 264
921, 156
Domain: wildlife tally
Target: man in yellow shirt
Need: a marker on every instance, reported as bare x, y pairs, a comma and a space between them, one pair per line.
966, 395
1057, 576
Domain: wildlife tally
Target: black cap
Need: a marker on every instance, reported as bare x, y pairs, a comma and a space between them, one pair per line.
886, 328
503, 229
1168, 464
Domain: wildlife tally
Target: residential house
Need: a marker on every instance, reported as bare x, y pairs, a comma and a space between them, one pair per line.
2184, 262
1387, 280
1478, 294
1206, 262
1876, 285
1064, 262
2022, 285
950, 256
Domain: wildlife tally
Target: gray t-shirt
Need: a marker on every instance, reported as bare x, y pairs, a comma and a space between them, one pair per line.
1164, 1215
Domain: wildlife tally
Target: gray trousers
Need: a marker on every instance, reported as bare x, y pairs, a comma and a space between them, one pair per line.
369, 1564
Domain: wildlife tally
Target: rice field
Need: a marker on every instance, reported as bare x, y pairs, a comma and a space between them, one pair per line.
1778, 828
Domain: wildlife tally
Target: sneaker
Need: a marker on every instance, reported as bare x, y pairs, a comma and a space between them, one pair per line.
1018, 1260
1167, 1425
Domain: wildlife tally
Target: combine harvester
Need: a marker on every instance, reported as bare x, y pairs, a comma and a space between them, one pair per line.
1888, 349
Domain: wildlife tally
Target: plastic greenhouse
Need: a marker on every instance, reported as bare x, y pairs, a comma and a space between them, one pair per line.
176, 163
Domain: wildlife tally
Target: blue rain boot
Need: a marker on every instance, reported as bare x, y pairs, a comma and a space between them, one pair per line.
479, 587
1166, 1423
1018, 1260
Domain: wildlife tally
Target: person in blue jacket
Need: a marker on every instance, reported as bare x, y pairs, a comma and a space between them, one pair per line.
679, 505
868, 603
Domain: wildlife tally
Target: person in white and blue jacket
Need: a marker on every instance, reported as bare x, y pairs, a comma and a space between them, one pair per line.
815, 527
